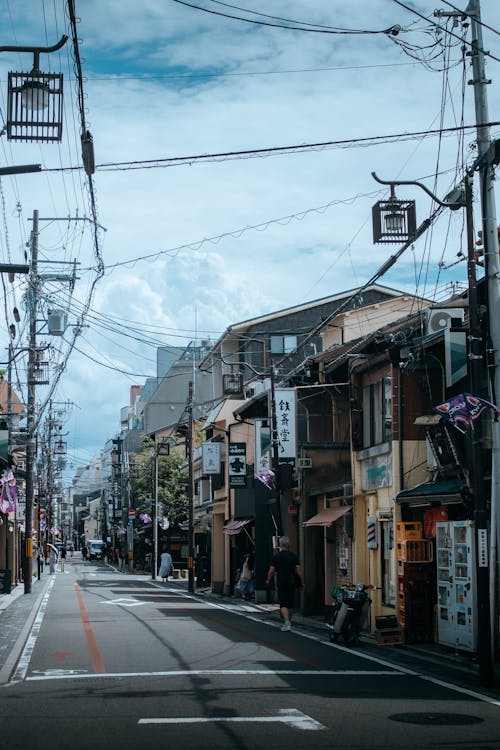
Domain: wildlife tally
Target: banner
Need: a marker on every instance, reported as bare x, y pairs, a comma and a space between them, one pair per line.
285, 422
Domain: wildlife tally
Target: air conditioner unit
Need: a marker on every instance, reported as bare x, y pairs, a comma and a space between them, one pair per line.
439, 319
304, 463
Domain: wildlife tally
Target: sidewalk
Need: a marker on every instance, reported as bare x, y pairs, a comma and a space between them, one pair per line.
17, 613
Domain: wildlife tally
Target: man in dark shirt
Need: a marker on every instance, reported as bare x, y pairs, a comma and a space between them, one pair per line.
289, 576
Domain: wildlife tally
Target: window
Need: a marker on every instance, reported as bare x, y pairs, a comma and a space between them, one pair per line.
282, 344
377, 413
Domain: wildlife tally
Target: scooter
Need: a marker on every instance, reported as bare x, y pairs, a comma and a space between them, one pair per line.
351, 604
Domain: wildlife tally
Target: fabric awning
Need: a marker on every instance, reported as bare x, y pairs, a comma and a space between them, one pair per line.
328, 516
234, 527
446, 491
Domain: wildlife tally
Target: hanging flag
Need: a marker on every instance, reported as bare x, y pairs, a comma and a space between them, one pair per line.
267, 477
464, 409
8, 494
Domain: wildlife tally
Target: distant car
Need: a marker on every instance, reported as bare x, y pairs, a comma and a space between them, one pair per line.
95, 549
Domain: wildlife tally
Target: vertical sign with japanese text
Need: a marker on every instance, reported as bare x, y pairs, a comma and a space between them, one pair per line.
211, 458
237, 465
285, 422
263, 458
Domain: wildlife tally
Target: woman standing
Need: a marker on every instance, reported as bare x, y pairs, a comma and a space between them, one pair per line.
165, 564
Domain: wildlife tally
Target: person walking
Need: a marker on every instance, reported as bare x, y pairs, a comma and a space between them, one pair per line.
246, 579
52, 560
289, 577
165, 564
62, 554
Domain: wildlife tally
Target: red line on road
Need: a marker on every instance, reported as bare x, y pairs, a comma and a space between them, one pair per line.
95, 654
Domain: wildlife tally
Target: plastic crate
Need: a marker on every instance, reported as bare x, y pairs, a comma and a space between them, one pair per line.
389, 637
415, 550
386, 622
409, 530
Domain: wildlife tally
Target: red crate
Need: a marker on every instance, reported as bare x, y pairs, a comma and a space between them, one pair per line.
409, 530
415, 550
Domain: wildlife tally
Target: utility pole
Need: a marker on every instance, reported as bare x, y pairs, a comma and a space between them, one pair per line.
154, 510
189, 450
492, 270
33, 283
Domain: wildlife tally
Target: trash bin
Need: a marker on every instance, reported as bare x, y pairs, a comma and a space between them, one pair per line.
5, 581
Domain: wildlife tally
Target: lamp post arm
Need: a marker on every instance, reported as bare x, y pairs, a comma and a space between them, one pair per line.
36, 50
391, 183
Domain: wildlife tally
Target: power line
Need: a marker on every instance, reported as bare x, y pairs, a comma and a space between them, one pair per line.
446, 31
318, 30
173, 161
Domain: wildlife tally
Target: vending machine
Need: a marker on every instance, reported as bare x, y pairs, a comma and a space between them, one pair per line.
456, 584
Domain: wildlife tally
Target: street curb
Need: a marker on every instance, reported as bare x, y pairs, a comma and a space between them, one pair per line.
15, 652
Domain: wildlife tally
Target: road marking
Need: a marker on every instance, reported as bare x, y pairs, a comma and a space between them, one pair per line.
95, 654
241, 673
58, 672
125, 602
24, 661
289, 716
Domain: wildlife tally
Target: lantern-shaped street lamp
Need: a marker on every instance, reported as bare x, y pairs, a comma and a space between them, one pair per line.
35, 100
394, 220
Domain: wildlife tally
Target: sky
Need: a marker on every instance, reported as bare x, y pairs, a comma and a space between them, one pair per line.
189, 245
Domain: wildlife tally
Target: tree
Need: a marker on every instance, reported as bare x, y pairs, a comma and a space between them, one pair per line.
172, 483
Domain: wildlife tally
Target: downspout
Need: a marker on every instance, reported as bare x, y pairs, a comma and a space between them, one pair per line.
400, 430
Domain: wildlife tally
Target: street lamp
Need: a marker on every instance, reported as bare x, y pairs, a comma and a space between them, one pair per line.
35, 99
162, 448
393, 220
461, 197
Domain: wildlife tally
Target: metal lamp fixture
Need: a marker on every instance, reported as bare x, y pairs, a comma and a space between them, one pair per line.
34, 100
393, 220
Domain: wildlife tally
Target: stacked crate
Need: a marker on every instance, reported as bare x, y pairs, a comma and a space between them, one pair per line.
416, 582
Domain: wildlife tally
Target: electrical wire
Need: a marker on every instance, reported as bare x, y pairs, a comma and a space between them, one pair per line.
319, 30
259, 152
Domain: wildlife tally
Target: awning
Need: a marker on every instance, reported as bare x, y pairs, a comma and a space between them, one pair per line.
234, 527
328, 516
446, 491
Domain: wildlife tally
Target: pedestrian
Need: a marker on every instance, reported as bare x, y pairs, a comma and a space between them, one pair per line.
62, 554
121, 559
85, 552
288, 577
246, 579
52, 560
165, 564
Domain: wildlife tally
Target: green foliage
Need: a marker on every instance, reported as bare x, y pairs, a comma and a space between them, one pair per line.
172, 482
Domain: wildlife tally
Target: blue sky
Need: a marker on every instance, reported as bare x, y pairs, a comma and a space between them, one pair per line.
234, 238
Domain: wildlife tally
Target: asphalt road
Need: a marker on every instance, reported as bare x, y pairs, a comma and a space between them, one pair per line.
119, 661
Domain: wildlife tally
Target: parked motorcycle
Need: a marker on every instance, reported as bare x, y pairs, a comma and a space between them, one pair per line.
351, 604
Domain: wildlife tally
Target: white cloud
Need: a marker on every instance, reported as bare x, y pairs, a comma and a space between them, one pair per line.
146, 98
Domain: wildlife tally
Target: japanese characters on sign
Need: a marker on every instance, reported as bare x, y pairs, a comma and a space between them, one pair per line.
263, 456
285, 422
211, 458
237, 465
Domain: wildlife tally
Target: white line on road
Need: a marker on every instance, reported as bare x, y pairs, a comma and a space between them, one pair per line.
229, 673
289, 716
24, 661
